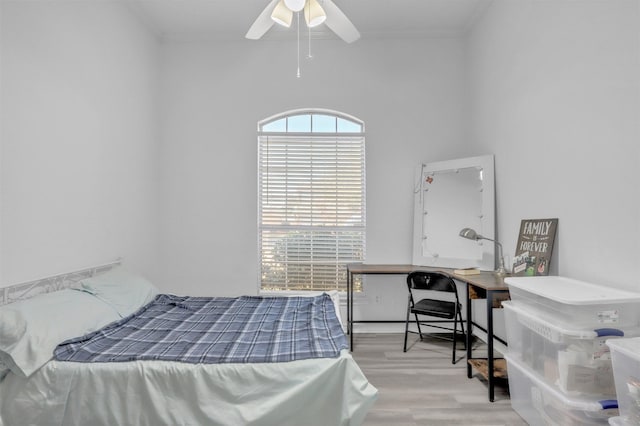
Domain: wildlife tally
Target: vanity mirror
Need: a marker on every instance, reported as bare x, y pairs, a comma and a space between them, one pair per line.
449, 196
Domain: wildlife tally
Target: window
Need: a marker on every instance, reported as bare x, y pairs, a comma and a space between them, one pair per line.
311, 200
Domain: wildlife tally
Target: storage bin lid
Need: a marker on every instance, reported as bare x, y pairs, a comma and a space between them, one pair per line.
572, 292
542, 324
629, 347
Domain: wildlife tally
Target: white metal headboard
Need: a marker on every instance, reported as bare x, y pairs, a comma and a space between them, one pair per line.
29, 289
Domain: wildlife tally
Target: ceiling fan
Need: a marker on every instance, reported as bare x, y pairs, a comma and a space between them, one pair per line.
315, 13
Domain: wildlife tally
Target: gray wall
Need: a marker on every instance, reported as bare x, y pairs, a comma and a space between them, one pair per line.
79, 163
410, 94
556, 96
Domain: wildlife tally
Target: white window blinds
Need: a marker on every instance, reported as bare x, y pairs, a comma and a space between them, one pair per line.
311, 208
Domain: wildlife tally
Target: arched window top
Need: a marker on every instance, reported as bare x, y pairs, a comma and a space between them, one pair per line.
311, 121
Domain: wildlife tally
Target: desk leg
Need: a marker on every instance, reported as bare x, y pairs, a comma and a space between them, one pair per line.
349, 308
490, 361
469, 330
349, 298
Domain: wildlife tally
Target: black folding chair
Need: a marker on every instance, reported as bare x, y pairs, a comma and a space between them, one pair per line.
428, 284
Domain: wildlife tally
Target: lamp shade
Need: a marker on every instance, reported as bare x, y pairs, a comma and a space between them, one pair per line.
470, 234
282, 15
473, 235
295, 5
314, 14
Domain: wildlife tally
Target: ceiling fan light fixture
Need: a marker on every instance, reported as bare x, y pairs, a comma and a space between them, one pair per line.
295, 5
314, 13
282, 15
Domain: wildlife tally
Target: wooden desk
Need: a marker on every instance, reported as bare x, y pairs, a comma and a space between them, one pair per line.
486, 285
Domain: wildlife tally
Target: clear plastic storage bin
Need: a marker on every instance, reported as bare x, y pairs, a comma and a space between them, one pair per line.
618, 421
539, 403
574, 359
625, 354
578, 303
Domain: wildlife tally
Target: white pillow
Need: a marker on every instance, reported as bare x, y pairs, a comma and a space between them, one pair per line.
12, 326
31, 329
123, 290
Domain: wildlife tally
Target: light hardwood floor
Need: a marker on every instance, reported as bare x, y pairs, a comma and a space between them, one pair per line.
422, 387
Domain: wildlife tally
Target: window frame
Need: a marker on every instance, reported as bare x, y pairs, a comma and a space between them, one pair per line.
341, 287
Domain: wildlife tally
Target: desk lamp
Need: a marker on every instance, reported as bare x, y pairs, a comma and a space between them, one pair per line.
473, 235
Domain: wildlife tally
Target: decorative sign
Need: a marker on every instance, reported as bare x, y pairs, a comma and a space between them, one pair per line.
535, 244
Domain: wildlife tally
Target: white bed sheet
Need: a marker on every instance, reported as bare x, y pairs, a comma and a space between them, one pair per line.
327, 391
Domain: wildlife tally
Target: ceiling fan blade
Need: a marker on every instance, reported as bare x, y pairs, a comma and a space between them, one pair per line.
262, 23
338, 22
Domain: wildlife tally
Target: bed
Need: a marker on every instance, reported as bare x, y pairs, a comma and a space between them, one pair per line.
65, 357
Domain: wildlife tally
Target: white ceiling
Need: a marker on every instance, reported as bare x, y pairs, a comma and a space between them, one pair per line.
230, 19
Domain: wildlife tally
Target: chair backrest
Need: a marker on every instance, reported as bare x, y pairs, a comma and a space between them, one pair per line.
434, 281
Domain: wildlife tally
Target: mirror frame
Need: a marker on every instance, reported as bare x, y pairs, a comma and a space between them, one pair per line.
487, 260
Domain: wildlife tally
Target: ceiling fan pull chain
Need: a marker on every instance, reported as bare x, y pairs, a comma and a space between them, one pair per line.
309, 55
298, 31
308, 11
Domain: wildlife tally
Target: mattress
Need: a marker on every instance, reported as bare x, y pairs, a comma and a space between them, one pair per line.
326, 391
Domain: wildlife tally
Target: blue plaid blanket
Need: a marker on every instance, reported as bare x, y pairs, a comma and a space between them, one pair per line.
216, 330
